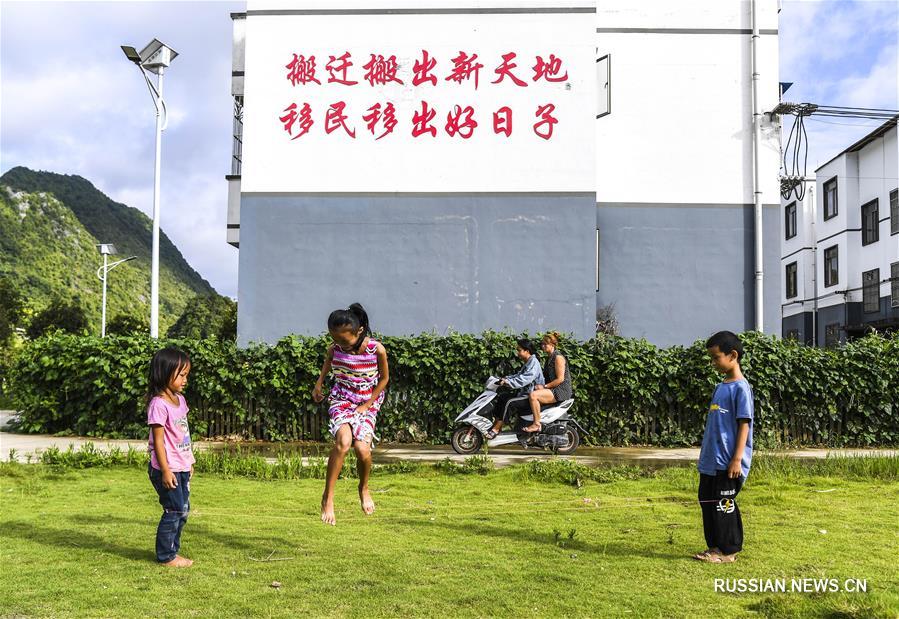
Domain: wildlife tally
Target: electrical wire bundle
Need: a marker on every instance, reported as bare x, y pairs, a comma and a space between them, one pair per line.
796, 147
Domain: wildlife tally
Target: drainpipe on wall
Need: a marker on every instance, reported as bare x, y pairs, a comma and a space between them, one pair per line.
810, 189
756, 189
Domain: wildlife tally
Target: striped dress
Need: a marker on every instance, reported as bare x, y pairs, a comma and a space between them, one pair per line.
355, 377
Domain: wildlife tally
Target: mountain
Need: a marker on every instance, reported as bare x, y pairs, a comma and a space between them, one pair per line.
108, 221
49, 227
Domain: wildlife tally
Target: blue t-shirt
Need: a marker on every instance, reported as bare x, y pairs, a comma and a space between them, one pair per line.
730, 401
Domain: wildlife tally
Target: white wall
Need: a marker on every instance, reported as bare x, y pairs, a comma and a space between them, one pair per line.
680, 129
878, 171
487, 162
799, 249
863, 175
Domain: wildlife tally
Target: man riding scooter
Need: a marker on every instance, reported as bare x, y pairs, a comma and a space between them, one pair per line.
523, 381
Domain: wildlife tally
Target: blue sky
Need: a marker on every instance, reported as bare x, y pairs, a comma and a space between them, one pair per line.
71, 103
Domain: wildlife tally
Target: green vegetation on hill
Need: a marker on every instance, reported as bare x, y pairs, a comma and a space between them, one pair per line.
110, 222
47, 255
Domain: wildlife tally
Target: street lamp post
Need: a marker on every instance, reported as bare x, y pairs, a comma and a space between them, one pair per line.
155, 57
107, 249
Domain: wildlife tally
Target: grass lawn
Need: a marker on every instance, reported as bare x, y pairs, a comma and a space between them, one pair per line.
509, 543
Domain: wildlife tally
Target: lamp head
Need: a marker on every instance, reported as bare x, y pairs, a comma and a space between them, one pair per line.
156, 56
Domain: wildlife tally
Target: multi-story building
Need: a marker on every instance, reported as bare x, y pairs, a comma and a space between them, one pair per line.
580, 155
845, 250
675, 194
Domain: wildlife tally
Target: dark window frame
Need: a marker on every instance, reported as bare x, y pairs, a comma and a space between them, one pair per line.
870, 222
871, 286
832, 253
894, 284
790, 228
832, 183
608, 59
894, 212
237, 137
792, 279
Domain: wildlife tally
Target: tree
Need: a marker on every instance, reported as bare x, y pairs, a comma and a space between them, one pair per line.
209, 316
126, 324
10, 309
60, 315
607, 319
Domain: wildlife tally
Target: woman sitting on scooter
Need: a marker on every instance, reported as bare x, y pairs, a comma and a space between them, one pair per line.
523, 381
558, 380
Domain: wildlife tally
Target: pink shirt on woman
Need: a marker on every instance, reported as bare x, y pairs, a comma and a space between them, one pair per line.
176, 434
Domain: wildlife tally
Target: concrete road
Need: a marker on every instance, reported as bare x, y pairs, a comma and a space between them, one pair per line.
23, 445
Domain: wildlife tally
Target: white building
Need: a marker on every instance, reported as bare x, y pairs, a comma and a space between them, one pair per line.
675, 195
643, 199
846, 248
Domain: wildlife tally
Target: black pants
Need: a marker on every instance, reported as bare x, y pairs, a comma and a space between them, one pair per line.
721, 520
507, 404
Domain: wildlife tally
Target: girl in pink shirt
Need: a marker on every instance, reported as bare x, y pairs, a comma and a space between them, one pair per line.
171, 457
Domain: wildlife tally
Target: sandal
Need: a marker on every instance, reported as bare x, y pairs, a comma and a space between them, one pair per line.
539, 428
702, 556
491, 434
715, 557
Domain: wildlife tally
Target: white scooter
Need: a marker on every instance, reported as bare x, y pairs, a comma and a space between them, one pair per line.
559, 432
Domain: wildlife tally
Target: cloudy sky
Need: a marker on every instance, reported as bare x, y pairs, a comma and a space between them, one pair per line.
71, 103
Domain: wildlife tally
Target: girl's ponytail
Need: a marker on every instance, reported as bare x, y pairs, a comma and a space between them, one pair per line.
360, 313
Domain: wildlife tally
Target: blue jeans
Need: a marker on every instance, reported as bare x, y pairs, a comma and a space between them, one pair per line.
175, 507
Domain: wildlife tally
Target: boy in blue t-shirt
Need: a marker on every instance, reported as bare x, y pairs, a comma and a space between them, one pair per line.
726, 452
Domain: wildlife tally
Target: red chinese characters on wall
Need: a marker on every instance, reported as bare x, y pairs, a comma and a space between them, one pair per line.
380, 118
339, 65
421, 120
303, 120
379, 70
387, 118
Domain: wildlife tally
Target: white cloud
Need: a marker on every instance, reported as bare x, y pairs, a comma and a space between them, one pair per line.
72, 104
839, 54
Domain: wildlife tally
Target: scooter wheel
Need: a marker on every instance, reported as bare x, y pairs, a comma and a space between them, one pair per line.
467, 440
574, 439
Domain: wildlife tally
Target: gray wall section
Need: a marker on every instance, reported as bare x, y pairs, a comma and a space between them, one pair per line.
804, 323
842, 314
679, 272
418, 263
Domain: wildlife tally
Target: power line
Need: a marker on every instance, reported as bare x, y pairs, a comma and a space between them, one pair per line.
796, 148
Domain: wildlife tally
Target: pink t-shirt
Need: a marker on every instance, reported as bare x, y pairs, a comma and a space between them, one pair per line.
176, 434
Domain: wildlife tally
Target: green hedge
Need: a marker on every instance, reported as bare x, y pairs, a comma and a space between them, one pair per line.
627, 391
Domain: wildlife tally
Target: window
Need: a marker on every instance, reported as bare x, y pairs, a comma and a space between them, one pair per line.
604, 81
831, 266
832, 335
790, 220
871, 291
894, 284
894, 211
791, 280
830, 198
870, 223
237, 134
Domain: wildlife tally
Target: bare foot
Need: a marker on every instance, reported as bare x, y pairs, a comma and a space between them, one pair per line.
328, 512
368, 506
534, 427
179, 561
